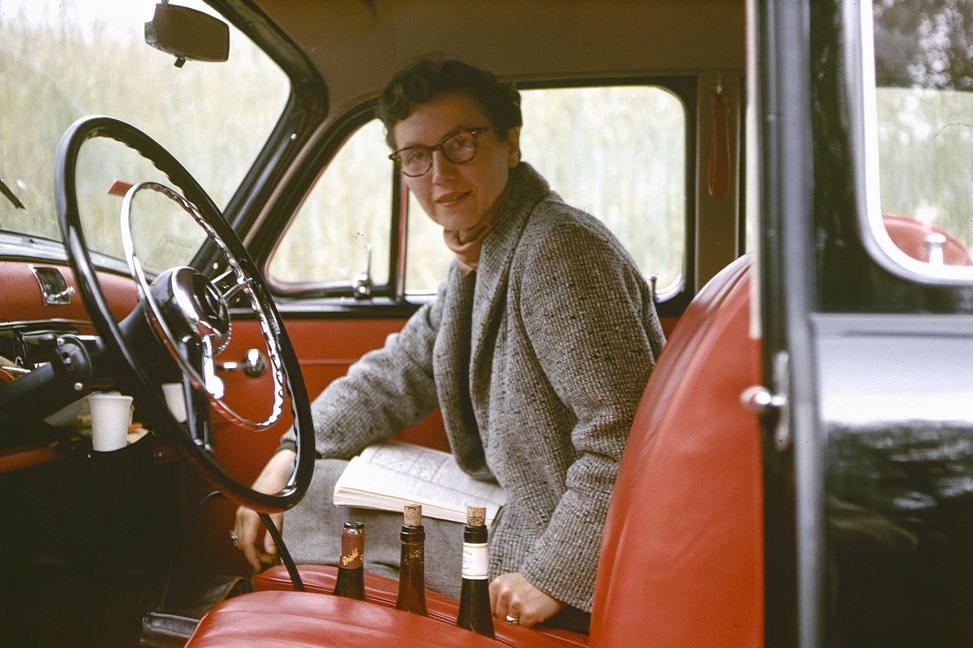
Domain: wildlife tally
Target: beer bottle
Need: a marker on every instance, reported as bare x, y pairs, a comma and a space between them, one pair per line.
474, 598
412, 565
351, 566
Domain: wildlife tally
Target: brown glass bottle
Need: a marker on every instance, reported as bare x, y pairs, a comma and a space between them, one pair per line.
412, 565
474, 598
351, 565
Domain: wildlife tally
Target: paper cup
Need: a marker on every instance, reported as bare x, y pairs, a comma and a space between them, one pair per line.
110, 417
175, 400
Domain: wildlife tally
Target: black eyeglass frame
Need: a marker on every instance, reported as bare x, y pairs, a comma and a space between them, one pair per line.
475, 132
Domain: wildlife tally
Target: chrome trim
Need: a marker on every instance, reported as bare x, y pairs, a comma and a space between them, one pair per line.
54, 322
181, 290
55, 290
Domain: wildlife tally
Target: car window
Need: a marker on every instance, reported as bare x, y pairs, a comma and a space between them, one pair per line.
61, 61
921, 99
345, 219
925, 145
618, 152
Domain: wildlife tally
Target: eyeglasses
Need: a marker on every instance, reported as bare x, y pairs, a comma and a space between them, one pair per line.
459, 148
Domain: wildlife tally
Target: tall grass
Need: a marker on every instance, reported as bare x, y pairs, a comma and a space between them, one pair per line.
616, 152
619, 155
926, 157
53, 70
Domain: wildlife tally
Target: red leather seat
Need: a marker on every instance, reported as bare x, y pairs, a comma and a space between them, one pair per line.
910, 236
682, 558
682, 555
304, 619
383, 591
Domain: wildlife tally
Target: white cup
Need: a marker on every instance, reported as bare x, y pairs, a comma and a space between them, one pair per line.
111, 414
175, 400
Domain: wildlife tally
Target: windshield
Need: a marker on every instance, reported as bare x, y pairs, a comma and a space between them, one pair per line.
61, 61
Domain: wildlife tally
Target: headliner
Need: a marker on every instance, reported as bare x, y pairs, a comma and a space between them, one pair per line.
357, 45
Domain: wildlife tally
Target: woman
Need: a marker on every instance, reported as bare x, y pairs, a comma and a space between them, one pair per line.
536, 349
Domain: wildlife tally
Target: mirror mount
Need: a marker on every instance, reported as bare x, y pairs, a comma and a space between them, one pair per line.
187, 34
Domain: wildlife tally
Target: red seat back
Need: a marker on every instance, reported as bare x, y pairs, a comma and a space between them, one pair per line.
911, 236
682, 555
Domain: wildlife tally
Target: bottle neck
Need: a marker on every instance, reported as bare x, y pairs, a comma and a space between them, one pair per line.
413, 545
412, 595
352, 549
476, 534
413, 534
476, 560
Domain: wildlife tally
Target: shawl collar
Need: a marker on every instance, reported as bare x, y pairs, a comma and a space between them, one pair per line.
472, 309
527, 189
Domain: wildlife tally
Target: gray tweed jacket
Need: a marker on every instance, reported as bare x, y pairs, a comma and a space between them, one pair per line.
537, 361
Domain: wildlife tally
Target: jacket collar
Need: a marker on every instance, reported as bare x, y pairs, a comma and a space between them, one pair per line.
527, 189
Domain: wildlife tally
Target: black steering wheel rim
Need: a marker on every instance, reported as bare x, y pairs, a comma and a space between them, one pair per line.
137, 381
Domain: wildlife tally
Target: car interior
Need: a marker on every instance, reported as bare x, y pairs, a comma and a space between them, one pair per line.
198, 195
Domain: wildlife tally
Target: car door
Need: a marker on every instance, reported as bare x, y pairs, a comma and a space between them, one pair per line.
865, 314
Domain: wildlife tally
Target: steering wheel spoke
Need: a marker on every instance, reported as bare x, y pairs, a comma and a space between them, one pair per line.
237, 291
200, 422
200, 356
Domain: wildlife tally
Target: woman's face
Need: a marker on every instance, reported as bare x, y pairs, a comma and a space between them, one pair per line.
457, 196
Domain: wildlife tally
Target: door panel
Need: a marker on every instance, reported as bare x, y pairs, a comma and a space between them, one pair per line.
325, 348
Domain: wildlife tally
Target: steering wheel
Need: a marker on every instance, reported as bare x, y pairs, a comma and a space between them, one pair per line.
183, 318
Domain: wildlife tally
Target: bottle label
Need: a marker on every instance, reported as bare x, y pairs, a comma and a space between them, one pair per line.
352, 556
414, 552
476, 563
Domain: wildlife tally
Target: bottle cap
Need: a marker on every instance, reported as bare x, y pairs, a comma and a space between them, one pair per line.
412, 514
475, 515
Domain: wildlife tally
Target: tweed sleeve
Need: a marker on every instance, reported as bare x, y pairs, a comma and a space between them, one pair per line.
593, 329
387, 390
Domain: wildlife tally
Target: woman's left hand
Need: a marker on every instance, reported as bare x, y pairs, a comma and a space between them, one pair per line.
511, 596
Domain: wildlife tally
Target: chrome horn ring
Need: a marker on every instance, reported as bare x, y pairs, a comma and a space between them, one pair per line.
191, 316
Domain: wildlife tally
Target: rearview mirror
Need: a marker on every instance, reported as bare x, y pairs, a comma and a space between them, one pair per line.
187, 34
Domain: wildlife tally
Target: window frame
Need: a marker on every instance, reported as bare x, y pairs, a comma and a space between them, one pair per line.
323, 155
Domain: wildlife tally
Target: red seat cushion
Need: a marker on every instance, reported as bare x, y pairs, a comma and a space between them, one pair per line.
302, 619
682, 555
384, 591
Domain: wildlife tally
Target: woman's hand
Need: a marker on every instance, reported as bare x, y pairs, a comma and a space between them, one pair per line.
248, 526
511, 595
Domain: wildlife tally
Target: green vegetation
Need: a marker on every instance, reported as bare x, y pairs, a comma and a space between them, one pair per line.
55, 69
926, 157
617, 152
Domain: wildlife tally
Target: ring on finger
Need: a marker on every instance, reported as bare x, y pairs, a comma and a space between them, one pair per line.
513, 619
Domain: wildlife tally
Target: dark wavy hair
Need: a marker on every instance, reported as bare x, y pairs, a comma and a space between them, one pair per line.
427, 79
